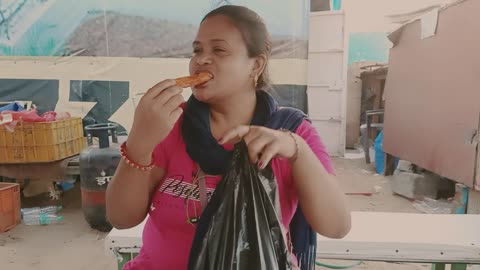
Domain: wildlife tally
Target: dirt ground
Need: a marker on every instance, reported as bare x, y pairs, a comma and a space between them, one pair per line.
74, 245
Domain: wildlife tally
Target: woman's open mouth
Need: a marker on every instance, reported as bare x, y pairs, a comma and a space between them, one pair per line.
204, 84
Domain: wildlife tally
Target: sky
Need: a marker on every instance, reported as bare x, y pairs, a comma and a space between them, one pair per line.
280, 15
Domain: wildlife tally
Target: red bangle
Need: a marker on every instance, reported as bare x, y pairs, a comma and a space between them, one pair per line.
123, 152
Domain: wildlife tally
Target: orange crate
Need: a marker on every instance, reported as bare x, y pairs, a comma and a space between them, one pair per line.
41, 141
9, 206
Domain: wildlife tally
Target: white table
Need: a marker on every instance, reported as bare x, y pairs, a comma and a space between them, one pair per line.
388, 237
401, 237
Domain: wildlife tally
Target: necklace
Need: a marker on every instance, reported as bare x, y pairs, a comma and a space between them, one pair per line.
198, 183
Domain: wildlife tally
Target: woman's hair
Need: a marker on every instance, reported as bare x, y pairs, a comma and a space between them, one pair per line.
254, 33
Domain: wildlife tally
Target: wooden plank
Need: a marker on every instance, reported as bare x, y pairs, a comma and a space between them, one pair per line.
46, 170
474, 203
389, 164
377, 87
476, 181
402, 237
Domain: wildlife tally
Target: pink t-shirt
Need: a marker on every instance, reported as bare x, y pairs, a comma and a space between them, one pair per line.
167, 237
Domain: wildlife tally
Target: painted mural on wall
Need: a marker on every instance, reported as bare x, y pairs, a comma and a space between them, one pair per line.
125, 28
142, 28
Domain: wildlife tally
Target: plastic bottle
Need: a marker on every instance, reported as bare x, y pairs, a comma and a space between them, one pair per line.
39, 210
42, 219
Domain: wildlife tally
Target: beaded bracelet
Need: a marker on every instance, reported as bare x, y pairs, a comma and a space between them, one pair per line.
295, 156
123, 152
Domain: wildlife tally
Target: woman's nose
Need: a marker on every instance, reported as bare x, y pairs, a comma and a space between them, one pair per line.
204, 59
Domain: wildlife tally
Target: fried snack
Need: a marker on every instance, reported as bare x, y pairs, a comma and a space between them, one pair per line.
193, 80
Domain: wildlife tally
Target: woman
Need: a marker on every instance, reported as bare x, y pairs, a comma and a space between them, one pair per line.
189, 140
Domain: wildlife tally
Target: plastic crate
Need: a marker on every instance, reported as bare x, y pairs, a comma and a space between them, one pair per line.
41, 141
9, 206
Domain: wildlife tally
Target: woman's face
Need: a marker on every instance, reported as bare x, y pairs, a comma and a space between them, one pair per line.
219, 49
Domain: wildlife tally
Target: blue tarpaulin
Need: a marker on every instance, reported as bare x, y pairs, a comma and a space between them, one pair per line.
14, 106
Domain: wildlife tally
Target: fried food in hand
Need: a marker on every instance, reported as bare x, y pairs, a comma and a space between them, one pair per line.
193, 80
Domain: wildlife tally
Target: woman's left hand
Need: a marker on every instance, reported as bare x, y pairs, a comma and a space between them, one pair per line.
263, 143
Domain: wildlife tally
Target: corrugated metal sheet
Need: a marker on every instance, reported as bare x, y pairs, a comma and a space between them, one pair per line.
433, 94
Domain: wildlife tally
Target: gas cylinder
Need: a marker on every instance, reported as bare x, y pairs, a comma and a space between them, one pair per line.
98, 163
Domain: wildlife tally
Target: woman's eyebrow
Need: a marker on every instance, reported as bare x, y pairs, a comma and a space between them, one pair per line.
218, 40
196, 42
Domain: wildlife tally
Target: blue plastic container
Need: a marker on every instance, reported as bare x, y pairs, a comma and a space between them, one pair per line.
380, 155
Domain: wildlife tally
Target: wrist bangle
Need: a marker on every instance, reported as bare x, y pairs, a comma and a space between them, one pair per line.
123, 153
295, 155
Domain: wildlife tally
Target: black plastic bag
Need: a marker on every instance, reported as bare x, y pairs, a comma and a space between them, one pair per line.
240, 228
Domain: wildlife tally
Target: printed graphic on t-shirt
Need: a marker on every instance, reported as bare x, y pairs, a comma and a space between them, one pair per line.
177, 187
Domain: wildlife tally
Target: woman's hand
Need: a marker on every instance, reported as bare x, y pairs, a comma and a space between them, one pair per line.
263, 143
156, 114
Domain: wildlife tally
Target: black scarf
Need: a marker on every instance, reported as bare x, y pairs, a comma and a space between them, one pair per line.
202, 147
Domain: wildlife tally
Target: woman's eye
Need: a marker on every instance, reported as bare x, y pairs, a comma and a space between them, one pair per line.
218, 50
196, 51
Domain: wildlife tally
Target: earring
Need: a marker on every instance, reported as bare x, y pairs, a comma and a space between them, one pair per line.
255, 81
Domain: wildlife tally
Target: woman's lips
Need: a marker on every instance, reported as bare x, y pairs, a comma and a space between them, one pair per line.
202, 85
205, 84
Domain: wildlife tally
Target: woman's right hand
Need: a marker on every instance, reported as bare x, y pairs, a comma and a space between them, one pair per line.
156, 114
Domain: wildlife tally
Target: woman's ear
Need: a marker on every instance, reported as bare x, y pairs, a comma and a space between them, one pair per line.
260, 63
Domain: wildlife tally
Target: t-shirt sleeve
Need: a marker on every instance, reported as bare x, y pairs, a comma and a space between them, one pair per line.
308, 132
